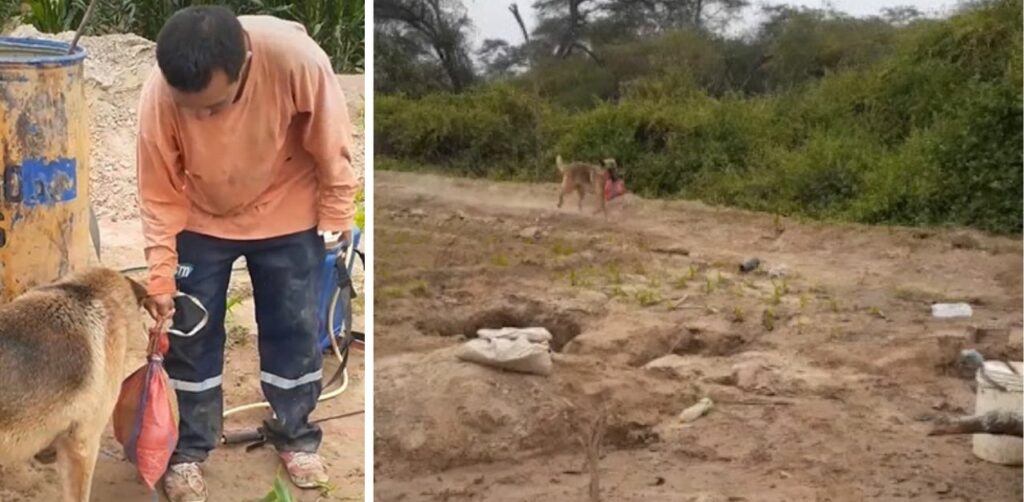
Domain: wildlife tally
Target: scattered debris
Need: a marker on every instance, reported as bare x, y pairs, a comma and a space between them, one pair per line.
531, 233
778, 272
674, 249
749, 265
524, 350
590, 439
951, 311
943, 487
964, 241
973, 360
697, 410
679, 303
745, 374
998, 422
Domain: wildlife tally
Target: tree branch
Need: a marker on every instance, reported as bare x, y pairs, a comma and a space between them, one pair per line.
514, 9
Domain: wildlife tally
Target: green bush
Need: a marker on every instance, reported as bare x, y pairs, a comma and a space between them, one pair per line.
492, 132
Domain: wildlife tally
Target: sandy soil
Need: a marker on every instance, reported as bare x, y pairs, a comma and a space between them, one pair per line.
825, 373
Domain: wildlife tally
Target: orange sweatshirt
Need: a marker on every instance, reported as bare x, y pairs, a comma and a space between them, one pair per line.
275, 162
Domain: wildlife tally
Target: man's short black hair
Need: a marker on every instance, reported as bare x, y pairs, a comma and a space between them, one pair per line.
195, 42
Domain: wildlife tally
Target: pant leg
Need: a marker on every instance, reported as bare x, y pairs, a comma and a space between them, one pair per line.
195, 364
285, 275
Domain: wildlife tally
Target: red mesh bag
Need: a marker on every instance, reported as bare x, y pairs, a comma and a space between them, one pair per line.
146, 414
613, 189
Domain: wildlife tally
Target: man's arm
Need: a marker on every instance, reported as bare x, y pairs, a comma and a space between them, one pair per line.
162, 200
326, 135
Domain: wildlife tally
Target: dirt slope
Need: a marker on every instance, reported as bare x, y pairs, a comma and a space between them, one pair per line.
825, 371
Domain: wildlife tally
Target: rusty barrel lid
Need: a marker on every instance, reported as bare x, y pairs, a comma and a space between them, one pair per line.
23, 52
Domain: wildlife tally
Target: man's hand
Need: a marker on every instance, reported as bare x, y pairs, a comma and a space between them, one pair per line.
160, 307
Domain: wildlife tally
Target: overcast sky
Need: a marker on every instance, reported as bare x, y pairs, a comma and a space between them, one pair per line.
492, 19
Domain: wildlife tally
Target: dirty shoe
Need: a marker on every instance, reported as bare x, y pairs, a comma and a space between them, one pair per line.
184, 483
305, 469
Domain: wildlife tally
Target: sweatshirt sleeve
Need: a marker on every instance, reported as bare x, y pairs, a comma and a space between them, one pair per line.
162, 201
326, 135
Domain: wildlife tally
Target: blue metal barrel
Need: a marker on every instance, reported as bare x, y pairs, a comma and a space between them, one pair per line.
44, 150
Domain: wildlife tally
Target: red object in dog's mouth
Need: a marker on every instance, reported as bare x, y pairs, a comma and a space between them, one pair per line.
613, 189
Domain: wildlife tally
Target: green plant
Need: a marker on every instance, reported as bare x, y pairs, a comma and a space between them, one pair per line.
500, 260
647, 298
779, 289
614, 273
278, 493
710, 284
562, 248
691, 272
360, 218
53, 16
577, 279
737, 315
232, 302
768, 319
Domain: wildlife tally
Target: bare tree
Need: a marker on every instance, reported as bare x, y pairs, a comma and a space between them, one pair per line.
514, 9
441, 24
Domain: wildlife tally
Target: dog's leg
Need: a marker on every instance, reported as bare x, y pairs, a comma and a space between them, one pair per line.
77, 457
561, 197
580, 191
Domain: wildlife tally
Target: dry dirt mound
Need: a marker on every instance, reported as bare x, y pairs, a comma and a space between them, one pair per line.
115, 70
444, 413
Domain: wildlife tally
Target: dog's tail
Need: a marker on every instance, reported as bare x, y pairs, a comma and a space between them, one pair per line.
559, 163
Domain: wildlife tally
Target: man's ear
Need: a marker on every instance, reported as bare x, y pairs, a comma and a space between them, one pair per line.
138, 289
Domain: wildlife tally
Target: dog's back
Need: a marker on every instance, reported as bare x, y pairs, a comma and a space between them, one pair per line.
578, 174
62, 351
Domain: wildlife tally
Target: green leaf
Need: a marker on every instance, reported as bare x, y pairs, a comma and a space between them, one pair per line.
282, 492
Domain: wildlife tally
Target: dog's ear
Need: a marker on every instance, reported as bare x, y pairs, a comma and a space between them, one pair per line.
138, 289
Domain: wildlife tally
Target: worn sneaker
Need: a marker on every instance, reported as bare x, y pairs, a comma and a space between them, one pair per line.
305, 469
184, 483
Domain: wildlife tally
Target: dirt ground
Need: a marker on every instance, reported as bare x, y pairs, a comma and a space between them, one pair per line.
825, 364
115, 70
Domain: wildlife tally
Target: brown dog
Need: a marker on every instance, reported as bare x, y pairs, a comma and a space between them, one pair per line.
581, 177
62, 359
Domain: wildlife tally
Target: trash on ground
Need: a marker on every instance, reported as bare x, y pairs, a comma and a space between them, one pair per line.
696, 411
524, 350
951, 311
778, 272
750, 264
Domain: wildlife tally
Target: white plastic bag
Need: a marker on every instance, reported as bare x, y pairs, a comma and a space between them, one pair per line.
524, 350
951, 310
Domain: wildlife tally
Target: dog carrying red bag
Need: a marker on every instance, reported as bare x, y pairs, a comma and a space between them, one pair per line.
146, 414
614, 188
